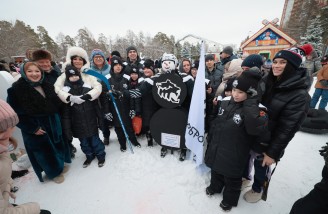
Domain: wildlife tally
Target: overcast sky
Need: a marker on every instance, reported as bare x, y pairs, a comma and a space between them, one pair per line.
228, 21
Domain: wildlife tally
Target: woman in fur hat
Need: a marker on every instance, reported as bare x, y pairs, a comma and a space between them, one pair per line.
37, 104
78, 58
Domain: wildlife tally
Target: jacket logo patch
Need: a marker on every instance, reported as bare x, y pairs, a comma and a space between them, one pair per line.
237, 118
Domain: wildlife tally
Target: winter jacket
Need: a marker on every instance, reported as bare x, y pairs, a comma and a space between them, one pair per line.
52, 76
135, 104
287, 101
5, 186
312, 66
215, 77
46, 152
233, 130
119, 84
322, 75
81, 120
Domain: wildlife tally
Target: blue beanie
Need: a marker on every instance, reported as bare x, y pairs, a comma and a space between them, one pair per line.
97, 52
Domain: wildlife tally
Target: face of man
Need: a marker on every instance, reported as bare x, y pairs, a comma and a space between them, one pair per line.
98, 60
133, 55
44, 64
224, 55
209, 64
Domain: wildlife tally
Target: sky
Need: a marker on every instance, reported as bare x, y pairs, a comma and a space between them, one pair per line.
225, 22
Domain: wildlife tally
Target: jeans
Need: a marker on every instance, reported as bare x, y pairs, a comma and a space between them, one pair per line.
93, 147
323, 93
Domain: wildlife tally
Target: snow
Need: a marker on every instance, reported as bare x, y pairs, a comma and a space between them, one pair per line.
145, 183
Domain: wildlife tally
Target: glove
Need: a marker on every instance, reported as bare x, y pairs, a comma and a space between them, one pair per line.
86, 97
44, 212
324, 153
135, 93
132, 113
76, 99
324, 83
117, 94
109, 116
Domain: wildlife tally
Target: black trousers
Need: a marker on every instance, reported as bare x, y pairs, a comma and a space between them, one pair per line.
232, 187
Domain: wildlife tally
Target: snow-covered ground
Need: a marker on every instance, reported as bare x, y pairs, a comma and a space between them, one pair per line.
144, 182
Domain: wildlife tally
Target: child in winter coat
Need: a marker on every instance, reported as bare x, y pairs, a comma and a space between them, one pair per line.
135, 104
235, 127
119, 83
82, 121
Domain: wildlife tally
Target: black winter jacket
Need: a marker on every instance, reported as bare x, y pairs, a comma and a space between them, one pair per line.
287, 101
233, 130
81, 120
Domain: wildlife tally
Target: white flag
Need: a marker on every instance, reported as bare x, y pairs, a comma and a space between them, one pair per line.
195, 127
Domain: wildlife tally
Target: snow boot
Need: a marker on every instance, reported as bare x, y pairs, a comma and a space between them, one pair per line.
163, 152
87, 162
59, 179
245, 183
101, 163
209, 192
183, 154
137, 144
123, 148
252, 197
225, 207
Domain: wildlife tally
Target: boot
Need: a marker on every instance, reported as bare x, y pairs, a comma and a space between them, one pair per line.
87, 162
137, 144
106, 141
209, 192
246, 183
252, 197
59, 179
183, 154
225, 207
163, 152
101, 163
123, 148
149, 139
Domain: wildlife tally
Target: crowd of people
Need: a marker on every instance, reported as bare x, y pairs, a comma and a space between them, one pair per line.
252, 112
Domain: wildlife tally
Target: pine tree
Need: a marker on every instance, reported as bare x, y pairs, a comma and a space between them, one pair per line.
314, 33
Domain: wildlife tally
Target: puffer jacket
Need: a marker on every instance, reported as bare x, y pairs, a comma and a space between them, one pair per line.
322, 75
287, 101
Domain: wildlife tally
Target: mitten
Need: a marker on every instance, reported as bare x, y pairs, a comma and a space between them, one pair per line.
86, 97
76, 99
132, 113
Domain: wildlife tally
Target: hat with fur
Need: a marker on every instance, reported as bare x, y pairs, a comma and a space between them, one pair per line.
74, 52
41, 54
248, 80
8, 117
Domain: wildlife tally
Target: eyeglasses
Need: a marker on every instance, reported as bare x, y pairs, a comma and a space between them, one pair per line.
98, 57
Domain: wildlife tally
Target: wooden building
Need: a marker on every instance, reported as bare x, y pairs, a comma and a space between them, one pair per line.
267, 41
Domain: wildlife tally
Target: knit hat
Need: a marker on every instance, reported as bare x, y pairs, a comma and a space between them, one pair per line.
253, 60
8, 117
116, 60
133, 69
228, 50
97, 52
149, 64
195, 65
115, 53
131, 48
71, 71
247, 80
295, 59
209, 57
41, 54
228, 85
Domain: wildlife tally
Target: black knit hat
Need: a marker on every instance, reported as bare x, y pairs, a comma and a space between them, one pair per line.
149, 64
133, 69
131, 48
195, 64
71, 71
116, 60
293, 58
115, 53
41, 54
228, 50
209, 57
253, 60
247, 80
228, 85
